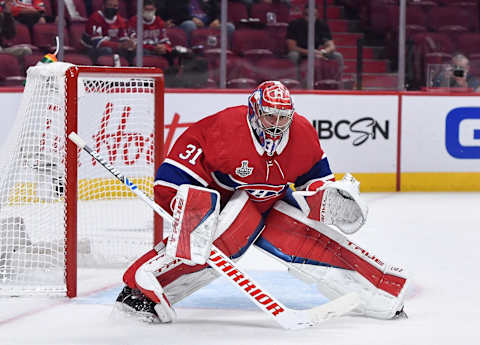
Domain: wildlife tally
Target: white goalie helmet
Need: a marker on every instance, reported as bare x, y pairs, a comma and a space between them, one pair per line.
270, 111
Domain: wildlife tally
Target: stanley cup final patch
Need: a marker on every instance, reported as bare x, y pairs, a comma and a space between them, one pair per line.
244, 170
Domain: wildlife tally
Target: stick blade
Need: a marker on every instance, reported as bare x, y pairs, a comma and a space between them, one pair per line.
330, 310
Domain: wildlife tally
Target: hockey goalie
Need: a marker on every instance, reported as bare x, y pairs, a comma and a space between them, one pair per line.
257, 175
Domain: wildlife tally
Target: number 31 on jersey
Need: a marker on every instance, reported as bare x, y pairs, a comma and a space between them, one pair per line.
191, 153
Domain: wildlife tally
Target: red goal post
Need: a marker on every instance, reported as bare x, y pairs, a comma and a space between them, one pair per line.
58, 209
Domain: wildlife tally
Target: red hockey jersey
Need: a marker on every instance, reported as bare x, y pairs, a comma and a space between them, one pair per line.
154, 33
19, 5
222, 153
102, 32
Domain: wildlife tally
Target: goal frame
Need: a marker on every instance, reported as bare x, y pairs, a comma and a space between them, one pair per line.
71, 161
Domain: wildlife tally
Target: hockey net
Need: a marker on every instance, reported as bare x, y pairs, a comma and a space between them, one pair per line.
58, 208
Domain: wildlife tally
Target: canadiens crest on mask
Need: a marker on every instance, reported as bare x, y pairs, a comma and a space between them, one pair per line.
244, 170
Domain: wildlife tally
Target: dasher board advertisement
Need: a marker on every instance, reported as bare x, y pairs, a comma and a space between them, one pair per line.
440, 147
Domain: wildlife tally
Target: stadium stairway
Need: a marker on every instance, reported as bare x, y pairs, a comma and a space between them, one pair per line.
376, 70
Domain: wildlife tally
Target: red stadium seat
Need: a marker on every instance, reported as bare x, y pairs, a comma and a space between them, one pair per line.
44, 36
383, 18
22, 35
10, 73
211, 84
123, 9
177, 36
426, 43
451, 15
246, 39
327, 84
206, 37
254, 55
272, 68
238, 67
278, 33
456, 2
437, 58
78, 59
324, 69
242, 83
453, 31
107, 60
291, 84
425, 5
237, 11
76, 31
468, 43
153, 61
270, 13
413, 29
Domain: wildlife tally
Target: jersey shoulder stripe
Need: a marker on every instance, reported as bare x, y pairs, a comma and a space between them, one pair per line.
173, 172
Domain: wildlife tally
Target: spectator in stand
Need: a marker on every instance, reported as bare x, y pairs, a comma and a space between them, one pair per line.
7, 31
155, 40
457, 75
106, 33
191, 14
297, 40
29, 12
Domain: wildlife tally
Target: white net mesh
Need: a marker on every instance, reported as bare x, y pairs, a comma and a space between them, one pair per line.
116, 118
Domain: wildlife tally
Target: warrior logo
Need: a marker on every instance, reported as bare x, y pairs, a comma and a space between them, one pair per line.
244, 170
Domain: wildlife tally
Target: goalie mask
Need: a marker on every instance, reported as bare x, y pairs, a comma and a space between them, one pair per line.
270, 112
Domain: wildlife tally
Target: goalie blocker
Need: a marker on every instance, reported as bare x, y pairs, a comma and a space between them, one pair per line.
312, 251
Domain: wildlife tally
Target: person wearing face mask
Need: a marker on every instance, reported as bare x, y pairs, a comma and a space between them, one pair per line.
106, 33
155, 40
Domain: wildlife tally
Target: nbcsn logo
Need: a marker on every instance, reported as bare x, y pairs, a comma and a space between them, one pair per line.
462, 133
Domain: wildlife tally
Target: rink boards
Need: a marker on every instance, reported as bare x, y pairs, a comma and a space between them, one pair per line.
388, 140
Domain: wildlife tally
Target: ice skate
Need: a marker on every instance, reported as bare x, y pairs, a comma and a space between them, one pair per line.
133, 302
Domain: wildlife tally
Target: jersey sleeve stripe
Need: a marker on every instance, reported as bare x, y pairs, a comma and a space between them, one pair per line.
221, 184
186, 170
321, 170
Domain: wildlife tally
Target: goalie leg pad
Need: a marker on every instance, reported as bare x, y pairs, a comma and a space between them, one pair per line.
319, 254
195, 222
239, 224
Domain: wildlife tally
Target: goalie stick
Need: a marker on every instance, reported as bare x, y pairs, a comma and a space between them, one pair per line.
286, 317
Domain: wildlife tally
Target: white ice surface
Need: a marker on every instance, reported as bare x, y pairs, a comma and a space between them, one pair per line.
433, 235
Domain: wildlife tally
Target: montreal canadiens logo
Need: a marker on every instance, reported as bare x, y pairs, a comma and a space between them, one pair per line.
262, 192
